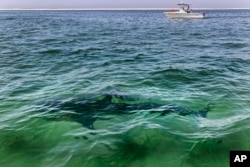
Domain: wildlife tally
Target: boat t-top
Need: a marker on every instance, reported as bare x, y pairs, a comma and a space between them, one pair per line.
184, 11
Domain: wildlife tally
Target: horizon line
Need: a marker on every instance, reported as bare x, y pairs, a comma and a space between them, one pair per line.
89, 9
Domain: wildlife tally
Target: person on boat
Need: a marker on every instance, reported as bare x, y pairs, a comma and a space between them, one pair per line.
188, 9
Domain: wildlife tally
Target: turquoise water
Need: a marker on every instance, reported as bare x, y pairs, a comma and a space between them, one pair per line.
55, 57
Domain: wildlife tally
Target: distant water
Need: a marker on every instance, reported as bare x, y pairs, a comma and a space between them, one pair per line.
58, 56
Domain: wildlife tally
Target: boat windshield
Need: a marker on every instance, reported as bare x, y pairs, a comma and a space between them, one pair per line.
185, 7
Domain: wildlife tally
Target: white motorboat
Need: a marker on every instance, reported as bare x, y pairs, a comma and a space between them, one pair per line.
184, 11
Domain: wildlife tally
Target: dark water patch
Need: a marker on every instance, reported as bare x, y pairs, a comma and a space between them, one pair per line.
196, 34
109, 33
51, 51
9, 18
25, 66
234, 45
139, 56
22, 143
177, 33
130, 150
176, 75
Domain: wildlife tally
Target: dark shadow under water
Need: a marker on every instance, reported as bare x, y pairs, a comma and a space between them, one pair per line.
87, 110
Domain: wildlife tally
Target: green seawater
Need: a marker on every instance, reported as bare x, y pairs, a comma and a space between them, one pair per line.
56, 56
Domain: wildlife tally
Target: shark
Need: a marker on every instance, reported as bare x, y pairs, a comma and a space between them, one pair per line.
87, 110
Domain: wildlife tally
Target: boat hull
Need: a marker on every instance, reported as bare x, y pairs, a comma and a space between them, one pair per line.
178, 15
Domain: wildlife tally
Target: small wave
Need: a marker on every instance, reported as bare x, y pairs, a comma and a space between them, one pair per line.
77, 52
51, 51
10, 18
234, 45
174, 75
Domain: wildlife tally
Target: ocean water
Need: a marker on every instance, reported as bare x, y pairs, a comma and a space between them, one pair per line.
57, 67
